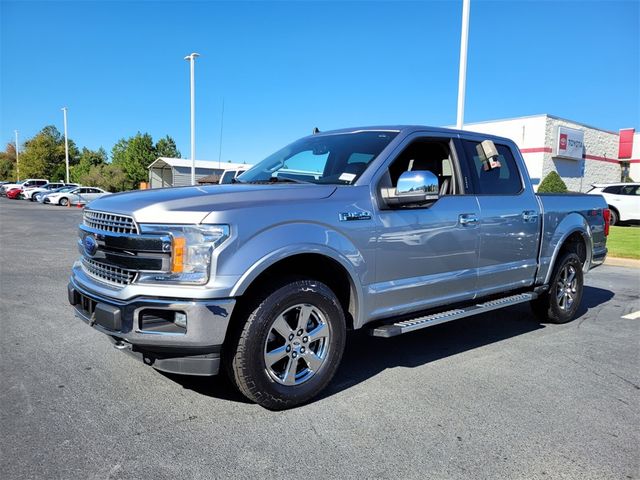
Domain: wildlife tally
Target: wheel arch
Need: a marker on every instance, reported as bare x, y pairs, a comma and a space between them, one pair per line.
572, 234
324, 264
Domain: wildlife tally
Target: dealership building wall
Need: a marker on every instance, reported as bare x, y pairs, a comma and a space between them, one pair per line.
539, 141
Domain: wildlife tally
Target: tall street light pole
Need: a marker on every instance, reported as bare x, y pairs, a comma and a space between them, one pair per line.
66, 142
192, 63
462, 78
17, 158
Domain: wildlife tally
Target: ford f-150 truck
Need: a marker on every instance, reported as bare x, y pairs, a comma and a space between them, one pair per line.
390, 229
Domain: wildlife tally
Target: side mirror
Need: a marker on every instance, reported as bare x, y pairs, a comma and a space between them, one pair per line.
414, 187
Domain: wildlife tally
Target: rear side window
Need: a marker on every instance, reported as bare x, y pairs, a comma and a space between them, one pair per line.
614, 189
498, 181
630, 190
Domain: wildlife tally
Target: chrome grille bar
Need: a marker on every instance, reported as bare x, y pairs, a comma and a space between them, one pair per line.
109, 222
108, 273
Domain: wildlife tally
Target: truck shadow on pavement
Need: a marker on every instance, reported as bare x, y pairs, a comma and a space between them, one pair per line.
367, 356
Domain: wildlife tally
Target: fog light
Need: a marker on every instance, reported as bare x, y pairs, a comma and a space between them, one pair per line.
180, 320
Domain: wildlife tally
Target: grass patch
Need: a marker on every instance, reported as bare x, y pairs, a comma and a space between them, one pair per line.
624, 242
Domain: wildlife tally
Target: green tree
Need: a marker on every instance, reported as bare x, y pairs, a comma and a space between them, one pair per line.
44, 155
88, 158
552, 183
166, 147
8, 163
133, 156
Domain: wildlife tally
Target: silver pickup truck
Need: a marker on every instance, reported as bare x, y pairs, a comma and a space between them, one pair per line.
391, 229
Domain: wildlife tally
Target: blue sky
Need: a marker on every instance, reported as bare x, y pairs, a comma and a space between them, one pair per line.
286, 67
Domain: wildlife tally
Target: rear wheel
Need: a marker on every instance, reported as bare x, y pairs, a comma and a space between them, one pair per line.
613, 216
561, 302
64, 201
290, 345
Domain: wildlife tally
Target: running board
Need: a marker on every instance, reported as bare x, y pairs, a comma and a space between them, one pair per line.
398, 328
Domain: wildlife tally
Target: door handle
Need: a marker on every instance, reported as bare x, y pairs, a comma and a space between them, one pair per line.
530, 216
467, 219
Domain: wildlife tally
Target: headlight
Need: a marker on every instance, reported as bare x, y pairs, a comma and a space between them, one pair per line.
191, 250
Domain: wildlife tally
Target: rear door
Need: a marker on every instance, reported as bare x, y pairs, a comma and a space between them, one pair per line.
509, 221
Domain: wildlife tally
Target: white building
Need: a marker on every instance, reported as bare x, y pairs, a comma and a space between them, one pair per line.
176, 172
581, 154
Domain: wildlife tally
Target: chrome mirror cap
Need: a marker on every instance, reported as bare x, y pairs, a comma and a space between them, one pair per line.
418, 182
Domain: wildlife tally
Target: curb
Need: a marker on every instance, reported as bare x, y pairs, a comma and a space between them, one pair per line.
622, 262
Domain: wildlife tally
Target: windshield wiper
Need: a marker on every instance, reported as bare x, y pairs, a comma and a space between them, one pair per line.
278, 180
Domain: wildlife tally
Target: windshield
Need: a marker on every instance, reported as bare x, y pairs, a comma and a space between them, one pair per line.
326, 159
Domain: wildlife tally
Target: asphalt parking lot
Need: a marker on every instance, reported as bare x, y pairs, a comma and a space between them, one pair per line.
495, 396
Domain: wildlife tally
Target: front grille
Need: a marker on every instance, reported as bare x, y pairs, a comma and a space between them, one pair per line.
108, 273
109, 222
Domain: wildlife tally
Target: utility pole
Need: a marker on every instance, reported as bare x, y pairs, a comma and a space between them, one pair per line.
17, 158
462, 77
66, 143
221, 125
192, 62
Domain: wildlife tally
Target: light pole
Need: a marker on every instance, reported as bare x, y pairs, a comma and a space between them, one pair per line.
462, 74
192, 63
66, 142
17, 158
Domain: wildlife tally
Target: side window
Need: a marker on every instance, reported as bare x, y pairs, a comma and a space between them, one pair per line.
630, 190
426, 154
615, 189
504, 180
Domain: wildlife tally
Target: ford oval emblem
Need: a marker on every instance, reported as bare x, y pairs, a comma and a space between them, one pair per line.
90, 245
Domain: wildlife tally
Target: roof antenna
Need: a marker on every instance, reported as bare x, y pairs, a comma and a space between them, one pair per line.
316, 130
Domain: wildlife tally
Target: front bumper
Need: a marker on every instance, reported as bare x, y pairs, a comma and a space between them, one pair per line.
194, 351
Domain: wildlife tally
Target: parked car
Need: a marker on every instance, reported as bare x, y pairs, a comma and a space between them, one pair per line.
14, 193
29, 182
28, 193
77, 195
623, 200
391, 230
42, 196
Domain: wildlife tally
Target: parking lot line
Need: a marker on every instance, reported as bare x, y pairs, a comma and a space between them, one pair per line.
632, 316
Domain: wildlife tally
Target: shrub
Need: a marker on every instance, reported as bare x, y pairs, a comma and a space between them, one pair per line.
552, 183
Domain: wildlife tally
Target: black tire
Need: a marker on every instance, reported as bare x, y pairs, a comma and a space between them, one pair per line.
613, 217
32, 198
64, 201
554, 306
246, 349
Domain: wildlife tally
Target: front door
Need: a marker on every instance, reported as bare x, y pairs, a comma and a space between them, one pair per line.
426, 255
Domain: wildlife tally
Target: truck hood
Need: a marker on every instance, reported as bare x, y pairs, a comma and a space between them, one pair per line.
188, 205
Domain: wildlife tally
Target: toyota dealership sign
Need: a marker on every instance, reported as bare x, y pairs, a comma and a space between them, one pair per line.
570, 143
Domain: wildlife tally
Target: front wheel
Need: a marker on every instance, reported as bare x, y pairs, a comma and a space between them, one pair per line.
290, 345
64, 201
561, 302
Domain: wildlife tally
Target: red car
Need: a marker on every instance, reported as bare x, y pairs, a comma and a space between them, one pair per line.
14, 193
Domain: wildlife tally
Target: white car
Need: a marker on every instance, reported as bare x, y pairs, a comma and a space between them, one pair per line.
30, 192
623, 200
81, 195
29, 182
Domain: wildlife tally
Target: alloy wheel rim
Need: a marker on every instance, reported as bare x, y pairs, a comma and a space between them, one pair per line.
297, 345
566, 288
